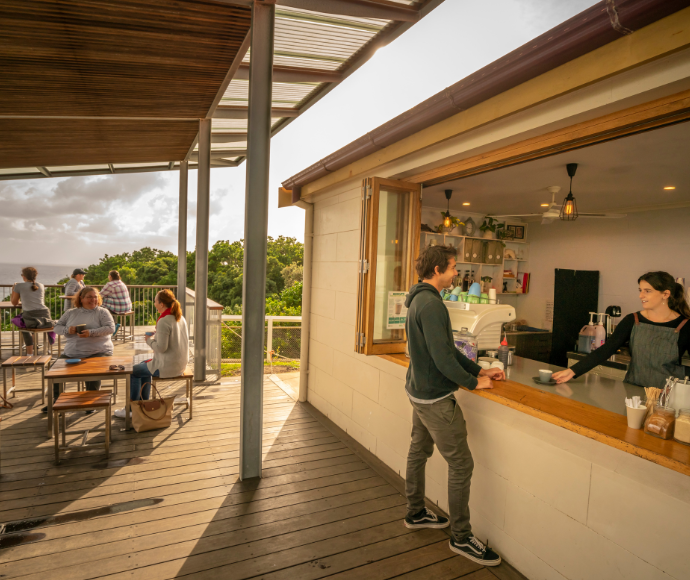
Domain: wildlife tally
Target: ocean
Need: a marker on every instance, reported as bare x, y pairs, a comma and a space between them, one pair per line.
47, 274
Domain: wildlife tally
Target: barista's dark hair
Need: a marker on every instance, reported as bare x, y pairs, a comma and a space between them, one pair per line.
30, 274
662, 281
114, 274
431, 257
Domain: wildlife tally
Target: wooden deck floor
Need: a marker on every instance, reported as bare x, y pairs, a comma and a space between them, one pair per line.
169, 504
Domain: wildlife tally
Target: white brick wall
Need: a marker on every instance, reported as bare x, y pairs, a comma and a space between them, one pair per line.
555, 504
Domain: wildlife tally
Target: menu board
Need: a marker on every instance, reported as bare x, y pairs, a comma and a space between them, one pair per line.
397, 313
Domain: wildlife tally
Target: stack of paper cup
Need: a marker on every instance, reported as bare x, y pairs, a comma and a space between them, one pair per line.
492, 295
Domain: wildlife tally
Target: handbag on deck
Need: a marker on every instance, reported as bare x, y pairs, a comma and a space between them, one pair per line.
152, 414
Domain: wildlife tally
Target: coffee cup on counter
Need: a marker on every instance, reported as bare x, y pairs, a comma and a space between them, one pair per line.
545, 375
484, 364
80, 328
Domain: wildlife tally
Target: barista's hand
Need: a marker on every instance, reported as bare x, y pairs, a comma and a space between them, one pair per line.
483, 383
563, 376
494, 373
72, 330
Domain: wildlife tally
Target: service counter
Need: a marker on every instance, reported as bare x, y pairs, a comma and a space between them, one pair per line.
591, 405
562, 488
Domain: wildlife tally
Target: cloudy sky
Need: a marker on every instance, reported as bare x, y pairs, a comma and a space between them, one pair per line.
78, 219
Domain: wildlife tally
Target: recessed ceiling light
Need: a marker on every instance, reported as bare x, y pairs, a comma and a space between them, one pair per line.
465, 203
669, 187
545, 204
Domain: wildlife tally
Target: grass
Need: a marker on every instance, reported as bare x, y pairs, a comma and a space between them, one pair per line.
234, 369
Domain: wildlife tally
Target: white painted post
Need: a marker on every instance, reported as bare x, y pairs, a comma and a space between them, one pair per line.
269, 339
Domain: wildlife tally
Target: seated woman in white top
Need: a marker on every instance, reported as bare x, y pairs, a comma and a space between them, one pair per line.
92, 342
170, 345
35, 313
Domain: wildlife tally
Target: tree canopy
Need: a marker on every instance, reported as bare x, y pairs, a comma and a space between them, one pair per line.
149, 266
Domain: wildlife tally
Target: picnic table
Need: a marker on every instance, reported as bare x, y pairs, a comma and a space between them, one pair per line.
89, 369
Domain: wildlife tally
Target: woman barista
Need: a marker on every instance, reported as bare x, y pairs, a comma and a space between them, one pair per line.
659, 335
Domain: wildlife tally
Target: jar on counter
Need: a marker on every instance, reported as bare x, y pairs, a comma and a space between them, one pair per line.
661, 422
466, 343
682, 430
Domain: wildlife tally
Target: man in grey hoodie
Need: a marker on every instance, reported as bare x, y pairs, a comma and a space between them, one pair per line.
436, 371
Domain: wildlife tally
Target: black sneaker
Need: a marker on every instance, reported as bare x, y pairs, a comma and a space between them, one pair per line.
425, 519
474, 550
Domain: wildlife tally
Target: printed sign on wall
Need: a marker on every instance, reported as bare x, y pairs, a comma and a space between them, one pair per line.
397, 313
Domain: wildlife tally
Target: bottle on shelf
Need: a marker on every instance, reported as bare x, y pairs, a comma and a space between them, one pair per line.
472, 278
599, 332
466, 281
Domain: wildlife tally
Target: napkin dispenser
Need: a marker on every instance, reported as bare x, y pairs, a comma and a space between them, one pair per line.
485, 321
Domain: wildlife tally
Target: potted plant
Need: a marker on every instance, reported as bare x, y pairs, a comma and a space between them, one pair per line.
454, 224
490, 226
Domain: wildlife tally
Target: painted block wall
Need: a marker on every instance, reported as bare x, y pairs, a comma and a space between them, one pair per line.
621, 249
555, 504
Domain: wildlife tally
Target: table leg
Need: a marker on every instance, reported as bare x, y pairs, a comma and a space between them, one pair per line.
20, 340
50, 408
128, 403
56, 435
4, 383
107, 430
191, 398
43, 385
63, 420
45, 343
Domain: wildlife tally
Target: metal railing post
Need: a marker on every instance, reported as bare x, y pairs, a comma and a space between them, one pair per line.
255, 233
182, 239
201, 274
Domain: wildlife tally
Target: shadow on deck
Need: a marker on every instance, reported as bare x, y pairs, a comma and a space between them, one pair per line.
169, 504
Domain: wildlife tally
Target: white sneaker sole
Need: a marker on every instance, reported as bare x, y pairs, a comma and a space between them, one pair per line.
425, 526
475, 560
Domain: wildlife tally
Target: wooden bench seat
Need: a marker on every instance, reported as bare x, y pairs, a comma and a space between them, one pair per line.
16, 362
188, 377
80, 401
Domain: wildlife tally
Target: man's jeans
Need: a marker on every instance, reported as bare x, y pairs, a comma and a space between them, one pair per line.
90, 385
441, 423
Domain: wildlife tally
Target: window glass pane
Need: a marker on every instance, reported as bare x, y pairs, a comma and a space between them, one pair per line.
392, 258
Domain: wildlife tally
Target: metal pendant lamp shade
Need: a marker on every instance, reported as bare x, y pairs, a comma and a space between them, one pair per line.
569, 208
446, 220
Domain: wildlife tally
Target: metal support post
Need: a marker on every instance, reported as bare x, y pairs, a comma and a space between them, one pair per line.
255, 233
201, 273
182, 238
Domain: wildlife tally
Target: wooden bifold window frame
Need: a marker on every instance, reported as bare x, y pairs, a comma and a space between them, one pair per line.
367, 265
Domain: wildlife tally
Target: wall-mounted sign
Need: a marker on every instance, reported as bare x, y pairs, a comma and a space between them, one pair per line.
397, 313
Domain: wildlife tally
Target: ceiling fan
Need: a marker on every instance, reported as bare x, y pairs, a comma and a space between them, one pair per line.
568, 210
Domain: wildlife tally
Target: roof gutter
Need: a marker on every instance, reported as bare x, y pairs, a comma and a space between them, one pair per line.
593, 28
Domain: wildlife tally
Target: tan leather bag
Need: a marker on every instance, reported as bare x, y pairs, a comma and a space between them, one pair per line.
152, 414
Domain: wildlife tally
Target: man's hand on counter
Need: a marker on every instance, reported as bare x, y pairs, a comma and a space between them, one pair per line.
563, 376
486, 375
493, 373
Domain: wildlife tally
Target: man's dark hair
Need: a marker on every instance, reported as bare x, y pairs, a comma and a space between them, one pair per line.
431, 257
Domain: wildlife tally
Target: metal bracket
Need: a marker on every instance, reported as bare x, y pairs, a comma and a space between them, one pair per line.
366, 189
363, 266
362, 340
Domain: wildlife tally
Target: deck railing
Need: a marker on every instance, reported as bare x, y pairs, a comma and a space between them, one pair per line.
283, 338
145, 313
214, 313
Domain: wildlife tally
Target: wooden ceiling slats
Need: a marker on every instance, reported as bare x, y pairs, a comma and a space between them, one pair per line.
110, 58
93, 142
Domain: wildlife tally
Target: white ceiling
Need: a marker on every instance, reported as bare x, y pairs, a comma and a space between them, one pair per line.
623, 174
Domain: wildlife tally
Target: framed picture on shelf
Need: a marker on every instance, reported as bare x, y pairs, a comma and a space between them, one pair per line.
518, 231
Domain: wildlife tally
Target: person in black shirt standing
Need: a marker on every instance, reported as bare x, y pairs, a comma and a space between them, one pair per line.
659, 336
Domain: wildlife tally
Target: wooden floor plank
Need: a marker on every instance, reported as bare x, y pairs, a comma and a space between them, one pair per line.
170, 504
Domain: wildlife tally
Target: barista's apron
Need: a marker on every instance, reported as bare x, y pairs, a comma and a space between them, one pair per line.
654, 351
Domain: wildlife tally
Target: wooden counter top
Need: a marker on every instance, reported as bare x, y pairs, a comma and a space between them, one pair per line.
598, 424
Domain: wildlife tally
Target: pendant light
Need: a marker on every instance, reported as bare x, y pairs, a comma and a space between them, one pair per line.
569, 209
447, 223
